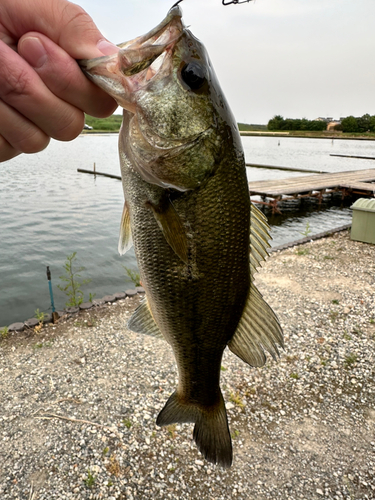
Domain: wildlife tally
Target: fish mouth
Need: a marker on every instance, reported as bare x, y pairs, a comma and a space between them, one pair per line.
137, 61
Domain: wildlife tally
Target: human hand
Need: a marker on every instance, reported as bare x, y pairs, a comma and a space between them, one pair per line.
43, 92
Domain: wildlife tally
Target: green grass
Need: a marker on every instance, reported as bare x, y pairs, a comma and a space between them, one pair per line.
110, 124
90, 481
350, 360
246, 126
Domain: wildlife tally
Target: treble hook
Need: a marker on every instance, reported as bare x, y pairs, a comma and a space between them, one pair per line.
235, 1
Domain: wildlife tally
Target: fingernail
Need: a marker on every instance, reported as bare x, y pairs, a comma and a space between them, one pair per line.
107, 48
33, 51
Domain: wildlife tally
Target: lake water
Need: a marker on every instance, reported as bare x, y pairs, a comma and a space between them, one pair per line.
48, 210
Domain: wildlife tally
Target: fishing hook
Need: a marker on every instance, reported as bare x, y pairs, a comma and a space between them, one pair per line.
234, 1
175, 5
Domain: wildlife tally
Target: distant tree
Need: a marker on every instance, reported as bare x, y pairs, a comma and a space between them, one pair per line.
317, 125
275, 123
372, 124
364, 123
349, 124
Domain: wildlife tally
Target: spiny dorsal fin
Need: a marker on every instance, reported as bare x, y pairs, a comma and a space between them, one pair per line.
143, 322
257, 330
259, 237
171, 225
125, 241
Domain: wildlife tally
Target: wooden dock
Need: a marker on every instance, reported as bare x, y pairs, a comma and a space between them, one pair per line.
352, 182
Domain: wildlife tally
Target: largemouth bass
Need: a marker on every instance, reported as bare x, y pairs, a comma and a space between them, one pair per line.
187, 210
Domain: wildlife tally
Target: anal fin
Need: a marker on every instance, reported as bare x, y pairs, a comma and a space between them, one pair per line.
258, 330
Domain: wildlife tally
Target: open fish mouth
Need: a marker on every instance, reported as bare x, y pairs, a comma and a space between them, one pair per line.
137, 62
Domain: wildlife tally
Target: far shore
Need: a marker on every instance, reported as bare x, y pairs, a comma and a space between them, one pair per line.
265, 133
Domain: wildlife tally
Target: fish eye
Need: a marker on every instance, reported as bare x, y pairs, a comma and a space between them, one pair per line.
193, 75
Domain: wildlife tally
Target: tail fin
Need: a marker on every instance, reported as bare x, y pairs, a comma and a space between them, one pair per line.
211, 431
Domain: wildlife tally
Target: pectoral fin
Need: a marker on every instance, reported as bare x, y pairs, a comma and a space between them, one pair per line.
171, 225
143, 322
258, 330
125, 240
259, 236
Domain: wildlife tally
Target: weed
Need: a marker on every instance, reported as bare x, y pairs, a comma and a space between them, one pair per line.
236, 399
73, 287
90, 481
235, 434
127, 423
333, 315
328, 257
133, 275
4, 332
223, 369
372, 321
114, 467
335, 301
40, 315
303, 251
350, 359
40, 345
92, 296
105, 451
307, 230
294, 375
172, 430
347, 336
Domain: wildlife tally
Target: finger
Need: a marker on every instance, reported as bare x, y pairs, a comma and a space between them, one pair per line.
21, 134
62, 75
22, 89
6, 150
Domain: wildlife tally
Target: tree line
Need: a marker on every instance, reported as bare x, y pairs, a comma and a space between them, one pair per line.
280, 123
365, 123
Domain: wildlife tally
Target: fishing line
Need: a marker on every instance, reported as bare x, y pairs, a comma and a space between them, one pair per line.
223, 1
234, 1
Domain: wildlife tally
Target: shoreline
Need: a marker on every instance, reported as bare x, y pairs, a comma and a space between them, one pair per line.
19, 326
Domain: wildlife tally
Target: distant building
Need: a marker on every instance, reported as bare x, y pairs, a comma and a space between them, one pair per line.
321, 119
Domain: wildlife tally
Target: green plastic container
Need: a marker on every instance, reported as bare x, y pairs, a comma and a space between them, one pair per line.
363, 223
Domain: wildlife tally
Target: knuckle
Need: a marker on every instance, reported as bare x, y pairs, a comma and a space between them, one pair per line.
34, 143
7, 151
70, 126
14, 84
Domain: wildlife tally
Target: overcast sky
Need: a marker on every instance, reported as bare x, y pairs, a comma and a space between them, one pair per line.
297, 58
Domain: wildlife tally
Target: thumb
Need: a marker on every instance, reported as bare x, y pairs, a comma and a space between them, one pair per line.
63, 22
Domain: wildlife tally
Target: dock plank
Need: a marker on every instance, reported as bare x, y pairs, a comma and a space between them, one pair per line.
309, 183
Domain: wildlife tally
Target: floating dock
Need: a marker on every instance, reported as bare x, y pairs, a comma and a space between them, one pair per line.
348, 183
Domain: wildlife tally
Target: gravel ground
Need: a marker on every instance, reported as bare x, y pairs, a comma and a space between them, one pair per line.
78, 400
